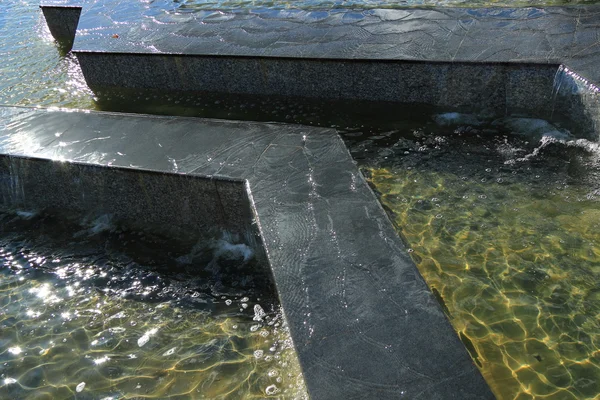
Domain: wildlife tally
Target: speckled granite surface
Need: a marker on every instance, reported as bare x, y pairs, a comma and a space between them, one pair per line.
62, 22
363, 321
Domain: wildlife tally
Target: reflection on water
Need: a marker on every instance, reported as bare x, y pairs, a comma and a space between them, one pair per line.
505, 230
111, 315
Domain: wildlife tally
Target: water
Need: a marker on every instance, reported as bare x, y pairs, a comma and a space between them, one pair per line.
109, 314
191, 5
34, 72
504, 226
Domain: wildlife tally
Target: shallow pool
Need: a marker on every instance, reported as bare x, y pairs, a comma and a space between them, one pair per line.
503, 222
95, 311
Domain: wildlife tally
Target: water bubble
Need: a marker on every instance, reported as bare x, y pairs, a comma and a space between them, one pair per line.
228, 302
80, 387
482, 196
439, 216
9, 381
101, 360
259, 313
245, 300
273, 373
258, 353
410, 250
271, 390
169, 352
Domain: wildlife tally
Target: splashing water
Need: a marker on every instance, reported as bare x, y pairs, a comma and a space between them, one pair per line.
107, 313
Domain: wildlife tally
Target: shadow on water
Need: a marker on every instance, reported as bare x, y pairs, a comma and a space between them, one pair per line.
165, 269
89, 309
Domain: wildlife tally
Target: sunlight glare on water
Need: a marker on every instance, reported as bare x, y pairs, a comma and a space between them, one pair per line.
106, 315
32, 71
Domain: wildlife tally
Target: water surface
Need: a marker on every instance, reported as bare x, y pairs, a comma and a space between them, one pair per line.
505, 229
98, 312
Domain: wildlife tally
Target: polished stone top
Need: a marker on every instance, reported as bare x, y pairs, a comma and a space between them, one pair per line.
362, 319
567, 35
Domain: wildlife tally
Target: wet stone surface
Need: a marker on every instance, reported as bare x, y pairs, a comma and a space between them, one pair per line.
566, 35
352, 297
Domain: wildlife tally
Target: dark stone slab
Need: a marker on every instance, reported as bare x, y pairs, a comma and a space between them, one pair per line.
362, 319
554, 35
62, 21
183, 207
499, 89
496, 61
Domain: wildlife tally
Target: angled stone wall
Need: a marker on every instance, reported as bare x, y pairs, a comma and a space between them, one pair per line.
184, 207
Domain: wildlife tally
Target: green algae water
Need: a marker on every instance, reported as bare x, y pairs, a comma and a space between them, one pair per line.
505, 229
95, 313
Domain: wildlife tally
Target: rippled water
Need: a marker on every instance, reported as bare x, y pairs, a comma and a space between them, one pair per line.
32, 71
111, 315
505, 229
307, 4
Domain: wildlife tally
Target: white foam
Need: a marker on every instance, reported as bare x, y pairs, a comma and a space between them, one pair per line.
236, 250
26, 214
102, 224
225, 246
454, 118
533, 129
